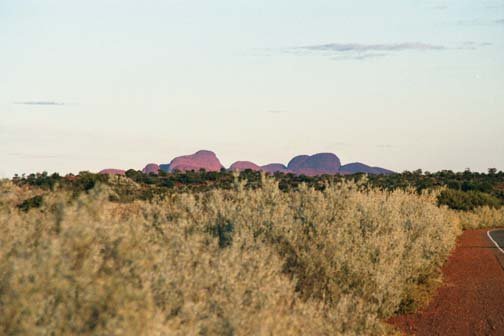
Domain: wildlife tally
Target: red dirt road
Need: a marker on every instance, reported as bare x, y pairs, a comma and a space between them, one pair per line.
471, 299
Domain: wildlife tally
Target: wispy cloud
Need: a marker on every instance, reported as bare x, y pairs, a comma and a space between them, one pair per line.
436, 5
359, 56
356, 47
358, 51
277, 111
40, 103
500, 21
471, 45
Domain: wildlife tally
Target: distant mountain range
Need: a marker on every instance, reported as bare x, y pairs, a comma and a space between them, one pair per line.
309, 165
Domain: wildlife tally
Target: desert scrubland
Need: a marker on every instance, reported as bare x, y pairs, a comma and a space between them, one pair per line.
242, 261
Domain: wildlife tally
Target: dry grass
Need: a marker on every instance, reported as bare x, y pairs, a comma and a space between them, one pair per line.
244, 262
482, 218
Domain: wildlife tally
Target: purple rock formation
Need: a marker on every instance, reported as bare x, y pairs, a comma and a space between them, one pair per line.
358, 167
318, 164
112, 171
243, 165
200, 160
151, 168
275, 167
297, 161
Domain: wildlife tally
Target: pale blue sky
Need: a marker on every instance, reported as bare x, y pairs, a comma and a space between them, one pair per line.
406, 84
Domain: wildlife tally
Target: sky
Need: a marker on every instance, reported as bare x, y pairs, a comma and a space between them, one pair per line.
402, 84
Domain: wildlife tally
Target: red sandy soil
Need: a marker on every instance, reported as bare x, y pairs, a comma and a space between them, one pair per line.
471, 299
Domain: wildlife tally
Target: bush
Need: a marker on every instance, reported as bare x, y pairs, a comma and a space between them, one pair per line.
223, 262
459, 200
482, 218
30, 203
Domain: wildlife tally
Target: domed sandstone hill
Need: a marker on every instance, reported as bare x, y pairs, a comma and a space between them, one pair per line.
202, 159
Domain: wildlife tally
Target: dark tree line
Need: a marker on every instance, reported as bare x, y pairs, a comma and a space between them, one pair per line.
463, 190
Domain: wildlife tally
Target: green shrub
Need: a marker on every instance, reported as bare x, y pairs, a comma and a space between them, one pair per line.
460, 200
31, 203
